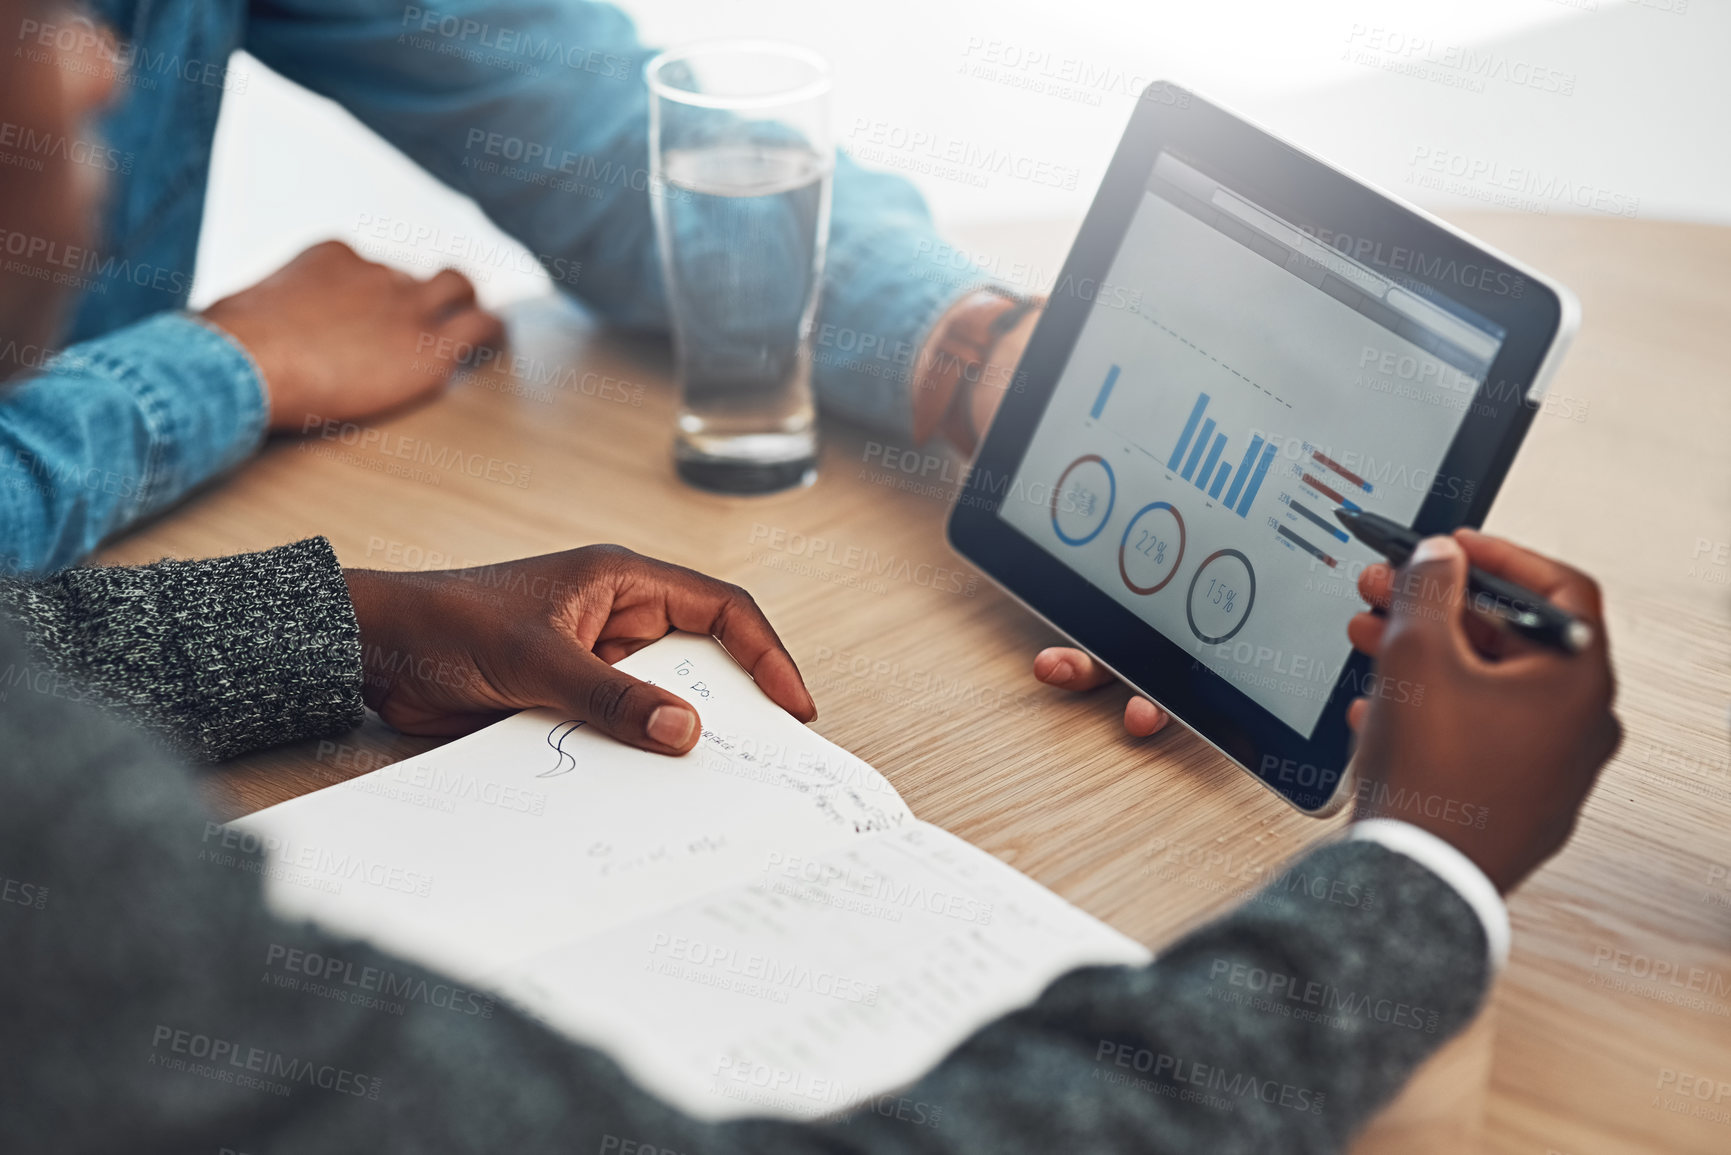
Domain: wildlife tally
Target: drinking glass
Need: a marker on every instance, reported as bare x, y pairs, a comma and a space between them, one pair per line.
740, 165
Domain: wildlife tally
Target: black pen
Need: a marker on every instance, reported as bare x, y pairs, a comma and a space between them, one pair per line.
1517, 607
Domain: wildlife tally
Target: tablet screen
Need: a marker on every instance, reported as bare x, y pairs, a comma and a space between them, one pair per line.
1238, 379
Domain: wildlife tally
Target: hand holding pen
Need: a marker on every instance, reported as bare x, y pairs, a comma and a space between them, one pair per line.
1466, 729
1499, 599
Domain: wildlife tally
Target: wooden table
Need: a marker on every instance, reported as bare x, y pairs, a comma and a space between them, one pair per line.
927, 677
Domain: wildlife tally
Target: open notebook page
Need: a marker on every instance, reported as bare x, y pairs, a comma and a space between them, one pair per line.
518, 837
758, 927
825, 980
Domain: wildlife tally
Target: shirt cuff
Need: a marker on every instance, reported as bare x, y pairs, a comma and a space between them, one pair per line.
1454, 868
874, 322
200, 397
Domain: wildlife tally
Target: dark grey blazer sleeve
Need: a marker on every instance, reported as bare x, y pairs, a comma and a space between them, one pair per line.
215, 657
146, 1003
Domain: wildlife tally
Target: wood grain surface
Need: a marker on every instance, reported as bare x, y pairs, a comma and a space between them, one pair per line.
1616, 1005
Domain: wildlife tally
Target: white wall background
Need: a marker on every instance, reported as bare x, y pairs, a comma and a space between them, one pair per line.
1642, 131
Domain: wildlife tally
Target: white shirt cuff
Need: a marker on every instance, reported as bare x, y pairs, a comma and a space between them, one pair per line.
1452, 867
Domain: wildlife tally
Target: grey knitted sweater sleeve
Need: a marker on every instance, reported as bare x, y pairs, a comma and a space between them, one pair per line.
216, 657
147, 1004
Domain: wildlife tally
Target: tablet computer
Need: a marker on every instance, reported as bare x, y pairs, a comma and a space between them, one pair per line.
1242, 340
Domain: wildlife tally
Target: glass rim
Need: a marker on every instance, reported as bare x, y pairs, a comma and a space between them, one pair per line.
782, 48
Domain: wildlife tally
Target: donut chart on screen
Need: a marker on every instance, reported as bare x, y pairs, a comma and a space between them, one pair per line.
1152, 548
1221, 596
1078, 511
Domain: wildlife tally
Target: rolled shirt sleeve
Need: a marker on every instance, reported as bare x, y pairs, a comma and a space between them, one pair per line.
888, 281
118, 428
540, 112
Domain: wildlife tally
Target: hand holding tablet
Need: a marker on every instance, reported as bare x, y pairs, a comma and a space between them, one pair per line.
1071, 669
1242, 341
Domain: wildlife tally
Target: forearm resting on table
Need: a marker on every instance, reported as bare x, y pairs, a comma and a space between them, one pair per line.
215, 657
1172, 1057
114, 429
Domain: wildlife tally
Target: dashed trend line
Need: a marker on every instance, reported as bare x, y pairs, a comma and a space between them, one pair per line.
1177, 336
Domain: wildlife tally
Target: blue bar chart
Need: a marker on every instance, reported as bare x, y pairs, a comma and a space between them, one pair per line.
1203, 467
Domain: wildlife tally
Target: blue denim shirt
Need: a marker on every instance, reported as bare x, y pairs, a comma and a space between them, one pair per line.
146, 402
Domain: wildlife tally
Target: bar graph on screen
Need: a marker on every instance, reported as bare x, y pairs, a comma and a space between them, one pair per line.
1197, 458
1105, 393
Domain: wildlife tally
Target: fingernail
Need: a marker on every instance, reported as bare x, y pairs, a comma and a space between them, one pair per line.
671, 725
1438, 548
1061, 674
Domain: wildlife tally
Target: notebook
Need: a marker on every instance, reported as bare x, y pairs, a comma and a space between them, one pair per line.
759, 927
